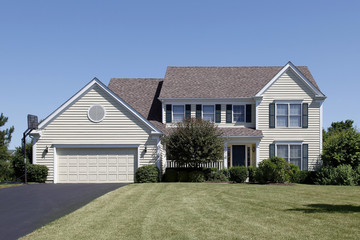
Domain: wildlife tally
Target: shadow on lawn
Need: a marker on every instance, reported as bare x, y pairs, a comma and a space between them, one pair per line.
327, 208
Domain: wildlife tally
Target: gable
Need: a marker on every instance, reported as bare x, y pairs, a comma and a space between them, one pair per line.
107, 94
289, 86
308, 81
74, 123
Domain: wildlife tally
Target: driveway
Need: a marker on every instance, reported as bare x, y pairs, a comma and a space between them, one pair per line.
28, 207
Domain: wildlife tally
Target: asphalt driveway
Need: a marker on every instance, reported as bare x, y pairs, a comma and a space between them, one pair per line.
26, 208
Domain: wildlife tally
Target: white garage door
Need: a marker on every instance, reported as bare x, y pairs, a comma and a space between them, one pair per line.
95, 165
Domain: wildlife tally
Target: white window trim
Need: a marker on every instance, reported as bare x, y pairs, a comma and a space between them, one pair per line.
202, 110
289, 103
291, 143
172, 112
233, 113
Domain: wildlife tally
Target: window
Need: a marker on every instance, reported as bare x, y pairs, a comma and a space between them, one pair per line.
209, 113
239, 113
290, 152
178, 113
288, 115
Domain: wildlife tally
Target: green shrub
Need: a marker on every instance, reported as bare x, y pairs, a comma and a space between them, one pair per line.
294, 173
276, 170
340, 175
251, 171
306, 177
238, 174
196, 176
217, 177
226, 173
6, 172
37, 173
183, 175
147, 174
209, 172
357, 175
345, 175
171, 175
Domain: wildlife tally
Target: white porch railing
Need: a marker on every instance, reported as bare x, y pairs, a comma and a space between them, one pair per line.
172, 164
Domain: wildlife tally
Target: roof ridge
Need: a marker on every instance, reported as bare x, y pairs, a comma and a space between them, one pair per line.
228, 66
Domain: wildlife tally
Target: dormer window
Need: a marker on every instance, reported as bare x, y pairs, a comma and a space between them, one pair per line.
239, 113
178, 113
208, 113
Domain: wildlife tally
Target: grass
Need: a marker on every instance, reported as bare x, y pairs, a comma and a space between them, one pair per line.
8, 185
214, 211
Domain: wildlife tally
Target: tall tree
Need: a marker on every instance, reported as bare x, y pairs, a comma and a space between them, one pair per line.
5, 138
341, 145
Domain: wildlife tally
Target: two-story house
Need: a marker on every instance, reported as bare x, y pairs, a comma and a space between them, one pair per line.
103, 134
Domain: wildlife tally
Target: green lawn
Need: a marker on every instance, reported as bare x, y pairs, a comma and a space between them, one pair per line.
8, 185
214, 211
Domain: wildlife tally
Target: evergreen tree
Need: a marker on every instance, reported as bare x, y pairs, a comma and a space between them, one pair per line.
5, 138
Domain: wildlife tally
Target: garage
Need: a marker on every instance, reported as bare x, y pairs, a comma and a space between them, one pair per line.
95, 165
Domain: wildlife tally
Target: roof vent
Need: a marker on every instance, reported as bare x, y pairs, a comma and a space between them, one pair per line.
96, 113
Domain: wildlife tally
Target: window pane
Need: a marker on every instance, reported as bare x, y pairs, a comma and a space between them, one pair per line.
282, 151
295, 155
295, 109
208, 117
296, 161
282, 109
295, 121
208, 109
178, 117
295, 151
178, 109
282, 121
239, 113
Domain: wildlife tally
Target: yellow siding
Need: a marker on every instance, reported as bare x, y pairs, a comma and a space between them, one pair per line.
289, 87
72, 126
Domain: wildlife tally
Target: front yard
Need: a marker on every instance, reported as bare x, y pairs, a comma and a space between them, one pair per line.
214, 211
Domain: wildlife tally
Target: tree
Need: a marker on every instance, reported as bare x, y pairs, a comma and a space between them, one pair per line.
17, 160
341, 145
193, 142
5, 138
337, 127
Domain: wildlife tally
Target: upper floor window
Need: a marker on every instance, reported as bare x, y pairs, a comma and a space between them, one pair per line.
238, 113
208, 113
178, 113
288, 115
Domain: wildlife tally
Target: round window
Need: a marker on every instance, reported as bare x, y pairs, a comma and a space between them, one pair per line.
96, 113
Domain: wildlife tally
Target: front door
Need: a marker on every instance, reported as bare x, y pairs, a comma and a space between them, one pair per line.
238, 155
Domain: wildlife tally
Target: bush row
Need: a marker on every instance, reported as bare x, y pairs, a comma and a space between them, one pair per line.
234, 174
14, 171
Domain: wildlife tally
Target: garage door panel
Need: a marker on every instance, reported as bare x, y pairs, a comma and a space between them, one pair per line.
96, 165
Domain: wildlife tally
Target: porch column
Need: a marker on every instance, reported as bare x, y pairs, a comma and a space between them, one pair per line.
257, 153
225, 155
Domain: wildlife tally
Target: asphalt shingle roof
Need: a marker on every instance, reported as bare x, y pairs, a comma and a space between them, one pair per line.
220, 82
196, 82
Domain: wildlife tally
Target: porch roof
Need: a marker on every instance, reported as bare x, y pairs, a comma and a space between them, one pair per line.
241, 132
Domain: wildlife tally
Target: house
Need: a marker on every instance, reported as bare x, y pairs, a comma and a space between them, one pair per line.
104, 133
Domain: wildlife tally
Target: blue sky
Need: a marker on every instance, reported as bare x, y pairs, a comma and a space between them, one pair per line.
51, 49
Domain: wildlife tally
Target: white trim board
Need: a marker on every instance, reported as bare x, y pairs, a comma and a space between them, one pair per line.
291, 66
83, 91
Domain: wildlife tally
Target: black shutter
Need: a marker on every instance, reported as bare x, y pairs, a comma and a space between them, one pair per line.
187, 111
218, 113
272, 115
272, 150
198, 111
305, 152
168, 113
305, 114
228, 113
248, 112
